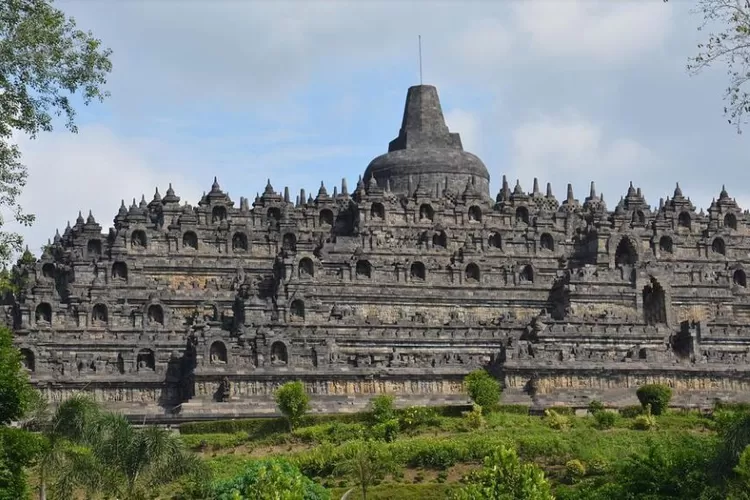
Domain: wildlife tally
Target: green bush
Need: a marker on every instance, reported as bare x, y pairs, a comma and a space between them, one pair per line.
381, 409
386, 431
483, 389
574, 471
656, 395
293, 402
564, 410
269, 480
556, 421
513, 409
605, 419
415, 417
595, 406
646, 421
631, 411
474, 418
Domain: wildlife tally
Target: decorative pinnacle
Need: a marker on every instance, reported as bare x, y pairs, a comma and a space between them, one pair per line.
592, 192
215, 186
344, 187
549, 190
570, 197
286, 194
677, 191
536, 187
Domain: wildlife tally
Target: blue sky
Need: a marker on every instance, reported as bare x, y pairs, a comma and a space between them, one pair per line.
564, 90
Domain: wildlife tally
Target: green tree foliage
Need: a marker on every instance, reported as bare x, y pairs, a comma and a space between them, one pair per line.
15, 392
656, 395
270, 479
366, 462
483, 389
504, 477
381, 408
18, 448
293, 402
44, 61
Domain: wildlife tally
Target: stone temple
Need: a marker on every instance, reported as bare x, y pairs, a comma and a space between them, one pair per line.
401, 285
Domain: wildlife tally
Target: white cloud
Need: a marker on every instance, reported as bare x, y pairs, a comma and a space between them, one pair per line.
92, 170
610, 32
467, 124
570, 148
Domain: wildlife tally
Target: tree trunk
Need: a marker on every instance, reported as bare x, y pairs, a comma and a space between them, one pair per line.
42, 490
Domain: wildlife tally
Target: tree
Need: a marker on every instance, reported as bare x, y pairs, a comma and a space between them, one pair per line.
44, 61
366, 462
483, 389
730, 45
15, 392
657, 396
269, 479
293, 402
504, 477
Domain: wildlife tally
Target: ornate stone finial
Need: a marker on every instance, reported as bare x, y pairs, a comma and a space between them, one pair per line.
549, 190
170, 191
296, 201
592, 191
322, 191
123, 209
518, 189
79, 220
257, 198
677, 191
302, 197
536, 191
570, 197
335, 191
344, 187
170, 197
90, 219
143, 203
57, 236
724, 195
631, 190
661, 203
638, 193
133, 205
269, 188
157, 196
310, 199
286, 194
215, 186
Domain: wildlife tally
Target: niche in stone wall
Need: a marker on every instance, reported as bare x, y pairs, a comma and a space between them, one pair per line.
730, 221
27, 359
739, 278
475, 214
418, 271
190, 240
239, 242
218, 353
526, 275
546, 242
377, 211
625, 254
495, 240
138, 239
306, 268
44, 313
48, 271
297, 310
363, 269
120, 364
683, 220
718, 247
472, 273
325, 218
440, 240
119, 271
426, 213
665, 244
639, 218
94, 249
273, 216
218, 214
654, 303
155, 315
522, 215
146, 360
279, 354
289, 242
99, 316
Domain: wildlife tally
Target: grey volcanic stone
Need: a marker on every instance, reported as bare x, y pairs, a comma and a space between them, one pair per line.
402, 286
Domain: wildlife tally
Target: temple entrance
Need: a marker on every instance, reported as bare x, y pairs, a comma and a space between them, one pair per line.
654, 304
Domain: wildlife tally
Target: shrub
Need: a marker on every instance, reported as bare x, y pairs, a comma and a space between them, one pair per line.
555, 420
483, 389
574, 471
646, 421
513, 409
293, 402
414, 417
474, 418
631, 411
595, 406
270, 479
382, 409
656, 395
386, 431
605, 419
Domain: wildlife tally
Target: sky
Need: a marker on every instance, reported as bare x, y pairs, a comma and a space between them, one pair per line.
569, 91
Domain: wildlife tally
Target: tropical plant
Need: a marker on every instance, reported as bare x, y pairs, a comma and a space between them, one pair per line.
366, 462
483, 389
381, 408
270, 479
656, 395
